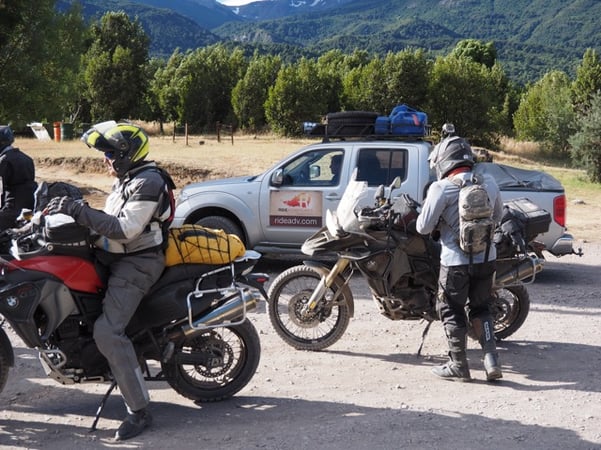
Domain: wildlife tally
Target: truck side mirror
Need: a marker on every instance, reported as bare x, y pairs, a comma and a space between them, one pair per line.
277, 177
314, 171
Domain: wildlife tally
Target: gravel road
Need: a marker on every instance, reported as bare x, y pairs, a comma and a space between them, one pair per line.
369, 390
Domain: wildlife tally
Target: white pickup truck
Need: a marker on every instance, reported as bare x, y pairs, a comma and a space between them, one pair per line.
274, 212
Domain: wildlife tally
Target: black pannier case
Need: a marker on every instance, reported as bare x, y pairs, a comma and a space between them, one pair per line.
534, 219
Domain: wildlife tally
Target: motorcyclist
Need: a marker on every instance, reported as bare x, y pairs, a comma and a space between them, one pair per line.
461, 282
17, 180
130, 247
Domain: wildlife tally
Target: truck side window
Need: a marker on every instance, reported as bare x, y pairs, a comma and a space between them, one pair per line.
381, 166
316, 168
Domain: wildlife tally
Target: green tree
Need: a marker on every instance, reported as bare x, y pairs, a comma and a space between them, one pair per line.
545, 114
115, 72
363, 88
586, 142
380, 85
407, 74
297, 96
39, 61
204, 82
164, 88
465, 93
250, 93
477, 51
588, 80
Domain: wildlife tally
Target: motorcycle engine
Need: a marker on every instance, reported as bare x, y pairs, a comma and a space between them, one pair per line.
83, 359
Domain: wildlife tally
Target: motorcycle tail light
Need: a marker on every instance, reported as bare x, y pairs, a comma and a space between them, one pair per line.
559, 210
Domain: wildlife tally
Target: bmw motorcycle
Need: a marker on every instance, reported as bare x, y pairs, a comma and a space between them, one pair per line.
310, 305
193, 322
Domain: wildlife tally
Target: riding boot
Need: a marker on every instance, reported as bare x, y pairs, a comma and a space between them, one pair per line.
484, 330
456, 368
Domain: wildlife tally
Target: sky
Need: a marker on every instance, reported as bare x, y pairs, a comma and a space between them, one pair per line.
236, 2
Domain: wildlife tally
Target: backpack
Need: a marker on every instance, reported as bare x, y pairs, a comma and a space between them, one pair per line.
167, 204
476, 225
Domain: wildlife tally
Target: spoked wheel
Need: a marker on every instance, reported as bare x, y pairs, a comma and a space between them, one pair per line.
509, 310
289, 294
216, 364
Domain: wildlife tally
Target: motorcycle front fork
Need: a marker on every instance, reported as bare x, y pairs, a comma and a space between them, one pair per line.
324, 284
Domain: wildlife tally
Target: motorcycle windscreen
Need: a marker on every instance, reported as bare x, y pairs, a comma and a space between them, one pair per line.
355, 197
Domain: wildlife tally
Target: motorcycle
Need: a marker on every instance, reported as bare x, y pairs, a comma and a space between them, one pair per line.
310, 305
193, 321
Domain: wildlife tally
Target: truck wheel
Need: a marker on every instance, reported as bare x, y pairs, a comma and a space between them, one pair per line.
222, 223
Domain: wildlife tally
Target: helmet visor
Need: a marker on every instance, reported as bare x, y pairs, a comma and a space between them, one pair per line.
105, 137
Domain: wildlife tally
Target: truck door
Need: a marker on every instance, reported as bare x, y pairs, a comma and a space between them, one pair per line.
300, 191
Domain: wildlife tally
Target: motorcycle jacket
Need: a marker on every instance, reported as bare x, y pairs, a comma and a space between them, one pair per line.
441, 210
132, 218
17, 177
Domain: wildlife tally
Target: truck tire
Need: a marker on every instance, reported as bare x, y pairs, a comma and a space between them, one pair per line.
222, 223
351, 123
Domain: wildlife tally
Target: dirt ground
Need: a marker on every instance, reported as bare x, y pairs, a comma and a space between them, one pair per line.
369, 390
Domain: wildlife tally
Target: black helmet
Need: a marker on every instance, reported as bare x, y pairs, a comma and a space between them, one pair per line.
6, 136
453, 152
124, 144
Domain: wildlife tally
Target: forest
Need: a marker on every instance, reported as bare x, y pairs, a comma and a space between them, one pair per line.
58, 67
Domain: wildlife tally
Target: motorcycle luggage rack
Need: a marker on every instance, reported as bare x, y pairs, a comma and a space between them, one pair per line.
198, 293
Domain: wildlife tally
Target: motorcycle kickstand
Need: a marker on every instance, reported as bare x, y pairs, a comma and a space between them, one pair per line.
424, 333
101, 406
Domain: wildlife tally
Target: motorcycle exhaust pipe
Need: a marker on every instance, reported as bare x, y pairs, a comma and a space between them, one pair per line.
514, 275
231, 312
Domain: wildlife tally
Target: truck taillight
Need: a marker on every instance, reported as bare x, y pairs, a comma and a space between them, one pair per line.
559, 210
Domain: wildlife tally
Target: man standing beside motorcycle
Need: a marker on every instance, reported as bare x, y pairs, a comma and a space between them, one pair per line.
130, 247
465, 280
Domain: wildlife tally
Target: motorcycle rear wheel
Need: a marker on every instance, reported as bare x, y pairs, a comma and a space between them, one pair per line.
232, 356
288, 293
509, 311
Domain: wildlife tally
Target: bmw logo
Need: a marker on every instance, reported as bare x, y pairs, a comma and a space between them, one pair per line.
12, 301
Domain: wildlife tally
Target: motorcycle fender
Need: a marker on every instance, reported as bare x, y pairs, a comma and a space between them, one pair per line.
6, 348
346, 291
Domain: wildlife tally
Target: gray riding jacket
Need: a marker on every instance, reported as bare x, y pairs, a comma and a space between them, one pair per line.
133, 213
441, 210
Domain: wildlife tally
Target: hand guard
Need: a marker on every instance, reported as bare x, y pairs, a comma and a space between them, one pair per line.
65, 205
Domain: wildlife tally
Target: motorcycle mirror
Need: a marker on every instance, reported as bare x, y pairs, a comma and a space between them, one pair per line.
379, 193
396, 183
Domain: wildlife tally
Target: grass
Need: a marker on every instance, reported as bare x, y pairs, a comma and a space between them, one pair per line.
203, 157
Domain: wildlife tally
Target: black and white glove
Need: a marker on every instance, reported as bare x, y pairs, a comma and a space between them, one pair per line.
65, 205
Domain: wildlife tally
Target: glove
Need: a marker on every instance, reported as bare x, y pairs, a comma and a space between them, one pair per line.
65, 205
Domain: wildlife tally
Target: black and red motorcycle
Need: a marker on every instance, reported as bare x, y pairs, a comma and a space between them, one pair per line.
193, 322
310, 305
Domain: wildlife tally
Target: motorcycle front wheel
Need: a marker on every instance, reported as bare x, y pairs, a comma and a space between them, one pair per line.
509, 310
317, 330
216, 364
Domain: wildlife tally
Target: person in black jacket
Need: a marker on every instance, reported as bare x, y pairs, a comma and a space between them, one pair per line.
17, 180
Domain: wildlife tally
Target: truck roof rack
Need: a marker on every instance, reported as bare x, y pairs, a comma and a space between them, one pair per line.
357, 132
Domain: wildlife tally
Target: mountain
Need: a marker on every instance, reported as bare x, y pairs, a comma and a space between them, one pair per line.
167, 28
531, 37
206, 13
276, 9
